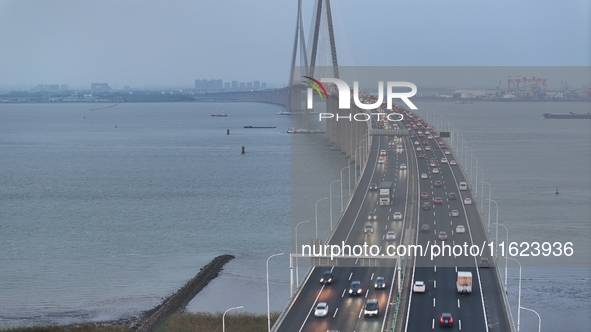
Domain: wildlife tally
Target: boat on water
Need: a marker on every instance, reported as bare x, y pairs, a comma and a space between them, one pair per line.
569, 115
257, 127
463, 102
220, 115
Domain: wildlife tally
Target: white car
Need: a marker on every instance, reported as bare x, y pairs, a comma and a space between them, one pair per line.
435, 171
452, 162
460, 229
417, 143
427, 148
391, 235
424, 176
430, 137
467, 200
447, 152
321, 310
455, 213
380, 160
419, 148
397, 216
399, 146
368, 229
391, 143
383, 152
402, 166
419, 287
444, 160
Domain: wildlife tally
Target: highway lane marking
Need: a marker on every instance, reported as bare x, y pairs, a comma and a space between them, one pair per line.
456, 269
433, 302
433, 324
351, 275
360, 311
344, 291
386, 227
460, 324
434, 268
434, 283
367, 292
450, 222
335, 312
434, 222
371, 278
458, 303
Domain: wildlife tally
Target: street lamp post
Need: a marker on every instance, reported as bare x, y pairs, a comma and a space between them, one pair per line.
476, 180
539, 318
356, 163
489, 196
497, 228
268, 303
296, 251
317, 214
518, 296
348, 182
224, 317
506, 255
330, 200
481, 186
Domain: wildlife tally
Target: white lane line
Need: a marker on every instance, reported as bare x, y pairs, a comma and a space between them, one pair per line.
434, 283
434, 268
335, 312
360, 311
350, 275
344, 291
456, 269
386, 227
433, 324
371, 277
460, 324
458, 303
433, 302
367, 292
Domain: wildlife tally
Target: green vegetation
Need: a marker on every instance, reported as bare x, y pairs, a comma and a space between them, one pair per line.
185, 322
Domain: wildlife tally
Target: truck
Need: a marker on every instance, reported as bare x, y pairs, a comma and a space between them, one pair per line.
464, 282
386, 193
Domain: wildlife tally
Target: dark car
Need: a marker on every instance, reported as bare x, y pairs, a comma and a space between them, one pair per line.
326, 278
452, 196
425, 228
356, 288
380, 283
446, 320
424, 195
438, 200
426, 205
443, 235
483, 262
421, 156
373, 186
438, 183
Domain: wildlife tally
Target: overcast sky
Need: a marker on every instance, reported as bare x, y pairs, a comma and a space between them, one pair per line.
142, 43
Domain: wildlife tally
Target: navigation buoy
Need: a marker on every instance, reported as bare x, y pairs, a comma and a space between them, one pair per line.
227, 131
242, 150
557, 191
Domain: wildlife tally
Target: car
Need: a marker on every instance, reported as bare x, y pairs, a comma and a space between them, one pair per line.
424, 176
391, 143
430, 137
383, 152
435, 136
397, 215
419, 148
435, 171
356, 288
438, 200
443, 235
373, 186
455, 213
444, 160
380, 160
372, 308
419, 287
427, 148
425, 142
419, 132
391, 235
467, 200
421, 135
460, 229
421, 156
447, 152
372, 216
452, 196
368, 229
432, 163
446, 320
438, 183
402, 166
452, 162
483, 262
380, 283
321, 310
417, 143
426, 205
424, 195
326, 278
442, 146
399, 146
463, 186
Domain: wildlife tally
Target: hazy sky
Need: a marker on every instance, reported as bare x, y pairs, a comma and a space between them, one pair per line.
141, 43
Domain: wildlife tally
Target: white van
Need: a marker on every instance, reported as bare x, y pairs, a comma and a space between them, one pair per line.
463, 186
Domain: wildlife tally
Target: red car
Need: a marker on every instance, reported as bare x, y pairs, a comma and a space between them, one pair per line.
438, 200
438, 183
425, 142
421, 156
424, 195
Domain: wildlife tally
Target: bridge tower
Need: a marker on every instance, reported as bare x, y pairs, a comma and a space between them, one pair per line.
308, 60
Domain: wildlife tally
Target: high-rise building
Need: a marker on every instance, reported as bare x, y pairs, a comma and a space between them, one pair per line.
226, 85
99, 87
257, 85
64, 87
248, 85
242, 85
208, 84
235, 85
263, 85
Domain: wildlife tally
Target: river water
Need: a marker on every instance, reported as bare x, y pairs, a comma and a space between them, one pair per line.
103, 213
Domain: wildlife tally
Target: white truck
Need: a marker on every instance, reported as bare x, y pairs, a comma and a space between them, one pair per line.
464, 282
386, 191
